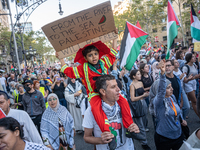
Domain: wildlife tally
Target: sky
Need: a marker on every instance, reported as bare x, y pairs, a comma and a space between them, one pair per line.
48, 11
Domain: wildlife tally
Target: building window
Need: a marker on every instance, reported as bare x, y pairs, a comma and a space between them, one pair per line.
154, 30
163, 20
0, 20
164, 38
164, 28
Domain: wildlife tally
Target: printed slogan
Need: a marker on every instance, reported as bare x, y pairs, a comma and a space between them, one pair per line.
69, 34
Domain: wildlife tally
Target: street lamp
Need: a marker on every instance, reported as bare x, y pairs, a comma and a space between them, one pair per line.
60, 8
4, 54
31, 53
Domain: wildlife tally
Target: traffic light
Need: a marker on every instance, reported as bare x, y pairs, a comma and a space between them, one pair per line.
20, 55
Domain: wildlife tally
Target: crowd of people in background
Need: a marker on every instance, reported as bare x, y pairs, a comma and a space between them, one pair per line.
46, 108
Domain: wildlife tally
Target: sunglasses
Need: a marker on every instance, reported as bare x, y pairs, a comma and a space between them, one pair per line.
28, 84
52, 99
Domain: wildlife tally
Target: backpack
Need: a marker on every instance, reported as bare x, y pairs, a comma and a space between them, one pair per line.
188, 68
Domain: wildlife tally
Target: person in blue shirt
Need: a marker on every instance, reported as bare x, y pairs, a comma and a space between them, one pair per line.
168, 114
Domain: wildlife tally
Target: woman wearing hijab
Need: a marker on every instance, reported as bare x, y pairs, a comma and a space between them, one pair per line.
155, 71
168, 115
74, 97
57, 125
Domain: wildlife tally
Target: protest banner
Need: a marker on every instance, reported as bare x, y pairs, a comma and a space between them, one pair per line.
69, 34
197, 46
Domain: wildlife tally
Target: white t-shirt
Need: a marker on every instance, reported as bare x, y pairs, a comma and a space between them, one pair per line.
193, 70
2, 80
123, 143
34, 146
31, 134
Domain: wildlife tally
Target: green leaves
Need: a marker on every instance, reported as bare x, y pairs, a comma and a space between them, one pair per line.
146, 12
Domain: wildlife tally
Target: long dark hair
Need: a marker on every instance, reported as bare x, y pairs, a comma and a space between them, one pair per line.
142, 68
133, 73
188, 57
12, 124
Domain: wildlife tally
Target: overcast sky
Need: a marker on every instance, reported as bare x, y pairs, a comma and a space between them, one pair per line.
48, 11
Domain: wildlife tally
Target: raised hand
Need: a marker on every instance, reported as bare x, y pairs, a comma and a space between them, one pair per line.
161, 66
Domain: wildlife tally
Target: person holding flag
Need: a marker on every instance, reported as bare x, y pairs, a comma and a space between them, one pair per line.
92, 66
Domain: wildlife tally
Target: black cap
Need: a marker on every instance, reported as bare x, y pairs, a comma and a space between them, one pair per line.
28, 81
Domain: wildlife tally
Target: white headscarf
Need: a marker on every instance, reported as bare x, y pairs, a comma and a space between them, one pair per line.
55, 96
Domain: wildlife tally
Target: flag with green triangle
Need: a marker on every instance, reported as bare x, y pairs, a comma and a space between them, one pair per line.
195, 26
172, 27
132, 41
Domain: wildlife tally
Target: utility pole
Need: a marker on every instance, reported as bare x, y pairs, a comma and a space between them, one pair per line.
179, 5
14, 39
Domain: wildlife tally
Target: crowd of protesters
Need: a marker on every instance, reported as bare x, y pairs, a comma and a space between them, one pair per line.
47, 107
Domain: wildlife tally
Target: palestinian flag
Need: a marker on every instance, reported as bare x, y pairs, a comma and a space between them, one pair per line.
138, 25
131, 44
195, 26
2, 114
12, 68
172, 27
149, 48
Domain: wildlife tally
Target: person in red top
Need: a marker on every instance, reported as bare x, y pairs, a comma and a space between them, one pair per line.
90, 68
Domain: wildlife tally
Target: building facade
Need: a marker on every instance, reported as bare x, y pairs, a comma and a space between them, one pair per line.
4, 22
27, 27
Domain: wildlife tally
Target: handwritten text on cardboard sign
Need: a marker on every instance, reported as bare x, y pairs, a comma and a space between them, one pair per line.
82, 26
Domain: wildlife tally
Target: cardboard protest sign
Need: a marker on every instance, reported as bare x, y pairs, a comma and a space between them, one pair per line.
197, 46
69, 34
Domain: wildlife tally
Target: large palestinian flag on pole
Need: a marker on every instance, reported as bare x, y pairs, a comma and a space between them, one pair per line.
195, 26
132, 41
172, 27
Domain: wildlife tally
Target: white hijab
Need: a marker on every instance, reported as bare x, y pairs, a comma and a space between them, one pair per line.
55, 96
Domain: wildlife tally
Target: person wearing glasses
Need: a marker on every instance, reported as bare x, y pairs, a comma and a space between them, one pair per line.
33, 102
168, 133
57, 126
175, 81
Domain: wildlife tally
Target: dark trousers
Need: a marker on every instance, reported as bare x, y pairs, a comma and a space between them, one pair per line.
63, 102
37, 121
163, 143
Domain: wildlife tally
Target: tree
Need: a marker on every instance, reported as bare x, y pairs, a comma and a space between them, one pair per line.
148, 13
184, 13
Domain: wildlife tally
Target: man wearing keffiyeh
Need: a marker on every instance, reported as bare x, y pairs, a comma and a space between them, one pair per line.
109, 92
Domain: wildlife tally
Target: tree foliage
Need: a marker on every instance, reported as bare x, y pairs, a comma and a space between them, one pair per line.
153, 13
148, 13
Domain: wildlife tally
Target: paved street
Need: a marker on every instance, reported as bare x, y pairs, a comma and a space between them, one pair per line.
193, 123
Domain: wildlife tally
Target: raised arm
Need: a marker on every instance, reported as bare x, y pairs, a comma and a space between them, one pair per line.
161, 86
